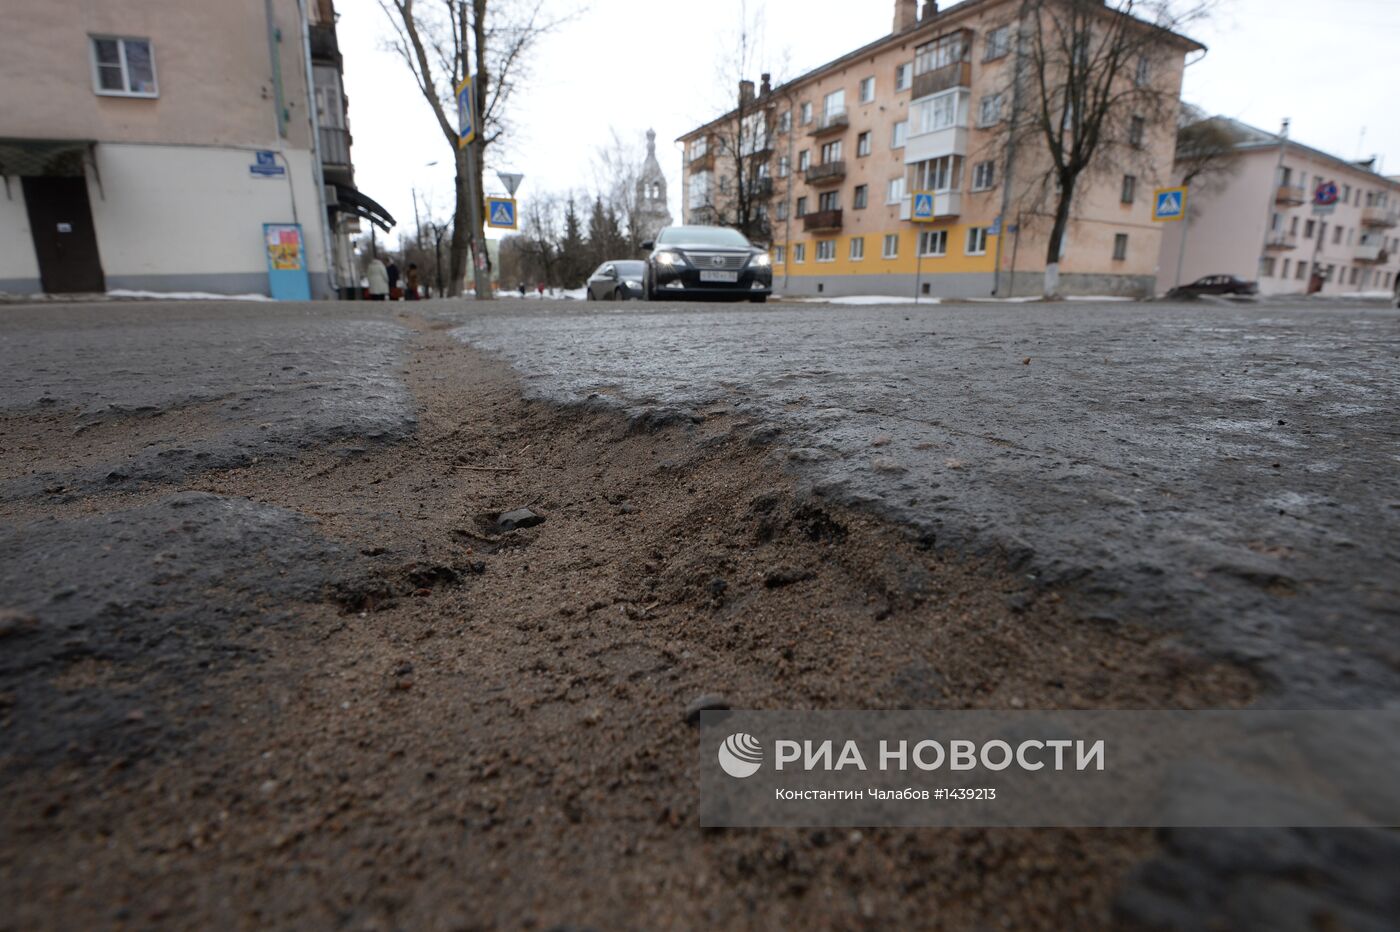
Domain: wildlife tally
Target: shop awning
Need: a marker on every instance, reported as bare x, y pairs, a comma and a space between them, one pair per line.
349, 200
44, 158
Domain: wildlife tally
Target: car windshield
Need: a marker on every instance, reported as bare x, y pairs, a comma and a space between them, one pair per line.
701, 236
630, 269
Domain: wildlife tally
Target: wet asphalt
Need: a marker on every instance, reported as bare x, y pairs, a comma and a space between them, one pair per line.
1230, 473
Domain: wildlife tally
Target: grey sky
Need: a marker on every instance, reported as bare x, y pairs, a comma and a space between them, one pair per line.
1329, 66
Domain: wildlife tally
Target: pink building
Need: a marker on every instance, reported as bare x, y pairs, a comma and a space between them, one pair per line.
1292, 217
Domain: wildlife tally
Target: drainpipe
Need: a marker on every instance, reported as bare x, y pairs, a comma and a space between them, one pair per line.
317, 172
1272, 205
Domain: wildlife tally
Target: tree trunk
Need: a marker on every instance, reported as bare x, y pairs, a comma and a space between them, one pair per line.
461, 229
1057, 234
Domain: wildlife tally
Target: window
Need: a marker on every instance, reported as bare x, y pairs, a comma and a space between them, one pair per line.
804, 160
1302, 270
863, 144
984, 176
857, 248
831, 152
1354, 272
799, 253
1136, 130
1267, 267
1336, 236
867, 90
938, 112
1120, 247
862, 197
977, 241
1286, 264
933, 243
1130, 189
782, 210
826, 250
699, 188
896, 191
123, 67
1144, 71
784, 166
829, 200
942, 174
1346, 193
901, 133
940, 53
1308, 229
802, 207
779, 255
903, 74
998, 43
833, 105
785, 122
989, 113
891, 246
699, 147
806, 114
1293, 226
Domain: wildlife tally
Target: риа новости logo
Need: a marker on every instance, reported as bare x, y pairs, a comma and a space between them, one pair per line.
740, 755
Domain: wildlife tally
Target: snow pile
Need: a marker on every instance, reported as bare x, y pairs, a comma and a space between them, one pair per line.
863, 299
184, 295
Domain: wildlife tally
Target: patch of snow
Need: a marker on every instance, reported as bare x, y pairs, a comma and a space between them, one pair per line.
184, 295
1026, 299
863, 299
1097, 297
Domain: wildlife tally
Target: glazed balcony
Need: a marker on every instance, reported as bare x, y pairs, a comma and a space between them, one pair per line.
946, 204
822, 221
958, 74
1280, 240
761, 188
1290, 195
827, 173
1372, 254
1379, 217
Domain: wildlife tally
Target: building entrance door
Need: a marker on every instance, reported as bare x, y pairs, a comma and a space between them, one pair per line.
65, 241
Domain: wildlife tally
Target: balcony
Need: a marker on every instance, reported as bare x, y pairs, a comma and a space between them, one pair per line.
831, 123
958, 74
761, 188
324, 45
703, 162
822, 221
946, 205
1372, 253
1290, 195
1380, 217
335, 146
1281, 240
935, 145
826, 173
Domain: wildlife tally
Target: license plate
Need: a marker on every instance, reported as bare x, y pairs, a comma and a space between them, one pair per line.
731, 277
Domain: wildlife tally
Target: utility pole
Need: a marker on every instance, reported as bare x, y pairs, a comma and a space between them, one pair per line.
417, 224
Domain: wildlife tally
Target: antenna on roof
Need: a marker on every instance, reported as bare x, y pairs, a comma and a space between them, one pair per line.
1361, 143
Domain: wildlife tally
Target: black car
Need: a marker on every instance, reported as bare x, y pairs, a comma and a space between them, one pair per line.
617, 280
700, 261
1214, 284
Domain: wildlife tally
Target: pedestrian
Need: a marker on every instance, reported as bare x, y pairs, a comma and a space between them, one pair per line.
393, 272
522, 289
378, 278
412, 281
540, 286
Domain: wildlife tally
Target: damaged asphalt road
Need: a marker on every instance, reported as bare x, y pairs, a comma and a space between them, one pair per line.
308, 619
1229, 472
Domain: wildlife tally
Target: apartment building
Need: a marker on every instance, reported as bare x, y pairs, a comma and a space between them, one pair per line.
162, 145
843, 148
1297, 219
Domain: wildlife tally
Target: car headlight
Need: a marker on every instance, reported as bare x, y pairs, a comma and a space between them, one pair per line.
669, 258
634, 284
761, 261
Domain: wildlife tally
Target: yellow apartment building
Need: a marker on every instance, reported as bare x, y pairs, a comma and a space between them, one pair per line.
840, 151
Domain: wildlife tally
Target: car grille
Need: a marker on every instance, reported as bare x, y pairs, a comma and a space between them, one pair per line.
728, 261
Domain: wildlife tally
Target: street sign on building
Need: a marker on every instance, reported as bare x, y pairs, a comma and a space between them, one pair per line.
466, 114
1325, 198
265, 165
500, 213
922, 211
1168, 204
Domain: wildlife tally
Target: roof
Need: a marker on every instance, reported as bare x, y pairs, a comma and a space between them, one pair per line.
927, 28
1252, 138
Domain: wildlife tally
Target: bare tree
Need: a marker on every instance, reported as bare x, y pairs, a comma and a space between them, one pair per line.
442, 42
1090, 90
617, 167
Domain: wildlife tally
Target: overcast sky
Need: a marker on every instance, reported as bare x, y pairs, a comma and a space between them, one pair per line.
1329, 65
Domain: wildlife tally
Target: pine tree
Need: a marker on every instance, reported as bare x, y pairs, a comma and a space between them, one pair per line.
573, 259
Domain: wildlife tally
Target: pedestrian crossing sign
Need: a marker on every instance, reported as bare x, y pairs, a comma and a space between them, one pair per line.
1168, 204
500, 213
923, 207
